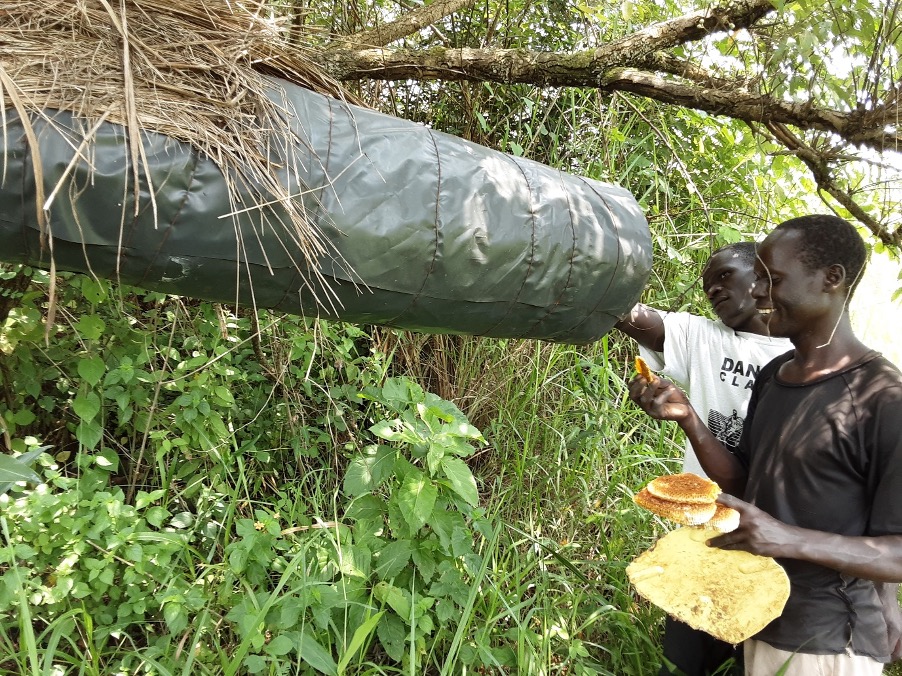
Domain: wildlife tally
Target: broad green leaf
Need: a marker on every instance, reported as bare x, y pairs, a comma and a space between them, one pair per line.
89, 433
222, 393
416, 499
392, 634
156, 515
94, 291
467, 430
254, 664
107, 459
366, 507
358, 479
278, 646
443, 523
393, 558
316, 655
395, 598
12, 469
434, 455
90, 327
86, 406
23, 417
358, 640
424, 557
91, 370
400, 393
176, 617
366, 472
386, 430
461, 479
142, 499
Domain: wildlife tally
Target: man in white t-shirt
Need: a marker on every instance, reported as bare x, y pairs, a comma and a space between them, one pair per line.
716, 363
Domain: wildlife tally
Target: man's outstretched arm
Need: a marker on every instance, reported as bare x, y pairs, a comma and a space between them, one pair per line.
644, 325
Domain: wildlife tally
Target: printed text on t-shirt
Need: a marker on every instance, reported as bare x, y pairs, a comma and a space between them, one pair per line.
738, 374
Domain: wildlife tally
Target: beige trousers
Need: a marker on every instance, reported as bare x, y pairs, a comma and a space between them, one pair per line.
762, 659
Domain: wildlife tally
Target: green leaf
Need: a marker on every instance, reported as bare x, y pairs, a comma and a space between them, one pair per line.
416, 499
223, 394
90, 327
366, 472
156, 515
93, 291
89, 434
107, 459
24, 461
91, 370
424, 557
393, 558
315, 655
386, 430
395, 598
142, 499
254, 664
400, 393
86, 406
23, 417
461, 478
360, 636
366, 507
392, 635
280, 645
12, 469
444, 523
176, 617
467, 430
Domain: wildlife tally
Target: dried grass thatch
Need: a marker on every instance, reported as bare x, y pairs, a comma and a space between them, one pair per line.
191, 69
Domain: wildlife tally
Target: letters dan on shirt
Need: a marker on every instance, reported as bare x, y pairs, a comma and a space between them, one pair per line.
738, 373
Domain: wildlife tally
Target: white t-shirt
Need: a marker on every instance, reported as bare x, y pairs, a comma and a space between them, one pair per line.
717, 367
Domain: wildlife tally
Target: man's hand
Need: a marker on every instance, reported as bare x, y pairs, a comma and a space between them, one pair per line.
758, 532
661, 399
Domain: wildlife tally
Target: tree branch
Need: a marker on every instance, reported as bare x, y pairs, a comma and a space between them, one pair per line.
584, 69
819, 165
743, 105
689, 28
407, 24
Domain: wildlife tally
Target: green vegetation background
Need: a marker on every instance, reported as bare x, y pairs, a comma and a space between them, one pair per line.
226, 491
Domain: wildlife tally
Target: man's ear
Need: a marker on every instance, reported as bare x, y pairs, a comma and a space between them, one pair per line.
835, 277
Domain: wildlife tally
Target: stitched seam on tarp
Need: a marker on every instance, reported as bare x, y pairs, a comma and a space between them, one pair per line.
532, 251
438, 192
195, 157
557, 300
617, 262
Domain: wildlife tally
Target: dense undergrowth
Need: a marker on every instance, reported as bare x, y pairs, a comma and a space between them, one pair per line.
236, 493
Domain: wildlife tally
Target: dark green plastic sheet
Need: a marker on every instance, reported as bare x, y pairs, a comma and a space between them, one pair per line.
428, 232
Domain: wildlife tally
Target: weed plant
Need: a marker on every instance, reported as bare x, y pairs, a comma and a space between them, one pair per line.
230, 493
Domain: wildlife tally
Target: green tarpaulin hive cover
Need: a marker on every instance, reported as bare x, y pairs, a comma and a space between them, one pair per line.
423, 230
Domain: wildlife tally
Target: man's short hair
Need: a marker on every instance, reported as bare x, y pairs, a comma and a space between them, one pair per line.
744, 251
827, 240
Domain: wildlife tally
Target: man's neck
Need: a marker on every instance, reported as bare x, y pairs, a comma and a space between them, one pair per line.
821, 353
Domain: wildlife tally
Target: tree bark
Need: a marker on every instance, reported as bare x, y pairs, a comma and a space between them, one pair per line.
611, 72
409, 23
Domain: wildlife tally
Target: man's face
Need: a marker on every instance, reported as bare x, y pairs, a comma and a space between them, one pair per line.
789, 295
728, 282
